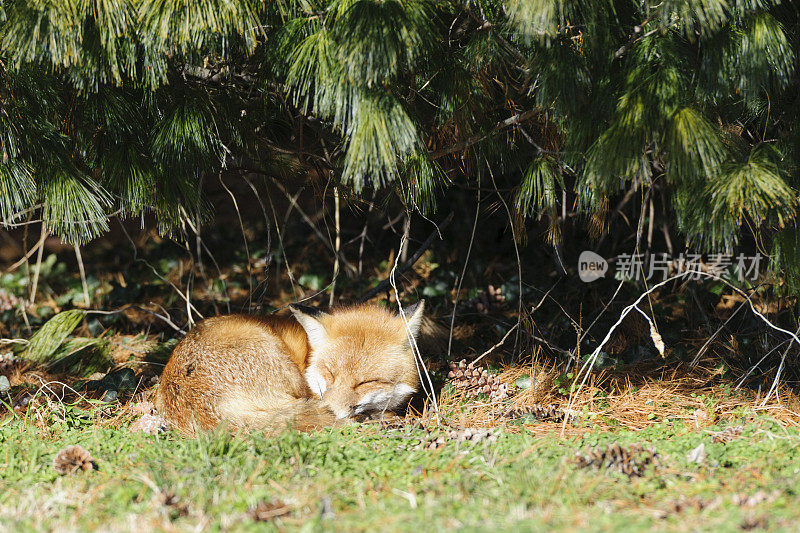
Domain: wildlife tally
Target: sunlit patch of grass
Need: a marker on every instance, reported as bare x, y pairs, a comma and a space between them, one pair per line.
364, 477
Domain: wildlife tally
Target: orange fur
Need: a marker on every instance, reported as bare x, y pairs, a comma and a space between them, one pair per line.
252, 372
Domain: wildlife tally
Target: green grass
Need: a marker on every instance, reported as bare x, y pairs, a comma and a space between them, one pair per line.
357, 479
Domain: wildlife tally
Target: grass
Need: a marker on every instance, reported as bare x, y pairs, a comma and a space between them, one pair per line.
365, 478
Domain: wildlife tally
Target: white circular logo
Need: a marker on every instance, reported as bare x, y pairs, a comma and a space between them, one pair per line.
591, 266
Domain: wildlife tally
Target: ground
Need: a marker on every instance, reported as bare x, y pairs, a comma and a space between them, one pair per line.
80, 357
372, 477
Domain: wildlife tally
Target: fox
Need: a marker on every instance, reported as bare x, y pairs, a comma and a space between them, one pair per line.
306, 371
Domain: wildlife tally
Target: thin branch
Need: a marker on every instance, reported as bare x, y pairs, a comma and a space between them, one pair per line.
337, 246
202, 243
82, 271
464, 269
165, 318
386, 283
496, 346
589, 364
510, 121
35, 283
246, 246
420, 363
363, 235
311, 224
516, 252
177, 290
27, 256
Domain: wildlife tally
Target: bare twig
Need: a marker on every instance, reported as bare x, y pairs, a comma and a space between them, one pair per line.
177, 290
464, 269
589, 364
496, 346
510, 121
283, 248
165, 317
407, 235
244, 238
708, 342
83, 275
268, 260
27, 256
337, 246
516, 252
753, 368
35, 283
352, 269
201, 243
420, 363
780, 370
363, 235
386, 283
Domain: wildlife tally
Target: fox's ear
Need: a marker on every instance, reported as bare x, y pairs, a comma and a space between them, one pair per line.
413, 314
309, 318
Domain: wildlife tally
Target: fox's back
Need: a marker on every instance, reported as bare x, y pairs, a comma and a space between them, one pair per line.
241, 356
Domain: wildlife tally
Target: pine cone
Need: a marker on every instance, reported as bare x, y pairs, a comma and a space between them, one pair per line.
477, 381
545, 413
151, 424
489, 300
266, 511
73, 459
495, 295
695, 503
727, 434
751, 500
8, 361
436, 439
170, 500
22, 402
8, 301
630, 461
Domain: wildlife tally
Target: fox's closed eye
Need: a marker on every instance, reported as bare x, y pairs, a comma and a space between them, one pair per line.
373, 382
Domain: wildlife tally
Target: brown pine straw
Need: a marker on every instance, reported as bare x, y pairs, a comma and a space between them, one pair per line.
634, 398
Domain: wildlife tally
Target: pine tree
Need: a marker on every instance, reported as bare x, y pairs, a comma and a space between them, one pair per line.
124, 107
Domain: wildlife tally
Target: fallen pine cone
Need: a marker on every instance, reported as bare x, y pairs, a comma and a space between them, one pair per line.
150, 423
491, 299
266, 511
477, 381
727, 434
434, 439
8, 301
8, 362
745, 500
631, 460
73, 459
171, 501
545, 413
694, 503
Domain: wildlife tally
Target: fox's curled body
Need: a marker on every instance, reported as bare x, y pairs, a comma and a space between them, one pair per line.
307, 371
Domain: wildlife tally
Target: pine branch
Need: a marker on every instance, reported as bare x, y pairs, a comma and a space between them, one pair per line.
510, 121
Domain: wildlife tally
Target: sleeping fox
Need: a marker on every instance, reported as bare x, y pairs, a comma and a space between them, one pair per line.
312, 370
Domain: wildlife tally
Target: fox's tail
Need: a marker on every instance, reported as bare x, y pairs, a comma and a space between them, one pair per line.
305, 414
248, 412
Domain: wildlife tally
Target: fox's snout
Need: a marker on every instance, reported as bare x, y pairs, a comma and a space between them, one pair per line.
345, 404
345, 399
